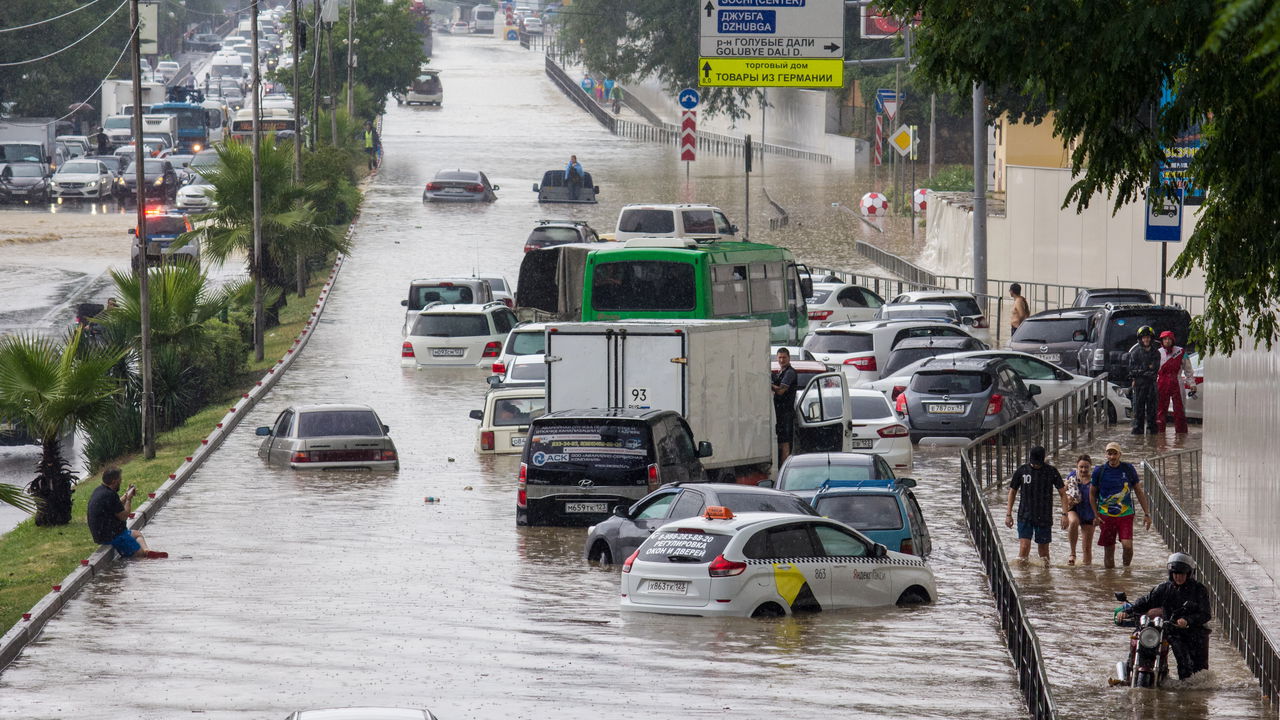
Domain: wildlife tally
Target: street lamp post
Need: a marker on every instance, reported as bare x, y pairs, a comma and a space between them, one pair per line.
351, 55
144, 285
259, 322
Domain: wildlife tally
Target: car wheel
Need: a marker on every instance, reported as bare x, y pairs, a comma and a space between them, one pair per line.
769, 610
600, 553
914, 595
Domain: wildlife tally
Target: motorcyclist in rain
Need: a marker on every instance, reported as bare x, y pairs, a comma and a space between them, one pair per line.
1185, 601
1144, 364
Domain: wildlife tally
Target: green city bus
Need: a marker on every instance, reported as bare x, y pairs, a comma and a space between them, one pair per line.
679, 278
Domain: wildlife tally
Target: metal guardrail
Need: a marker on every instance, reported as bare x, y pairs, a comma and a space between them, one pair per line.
1239, 624
984, 463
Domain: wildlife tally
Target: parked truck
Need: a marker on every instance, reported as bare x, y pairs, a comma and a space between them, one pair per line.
29, 140
715, 373
165, 126
117, 97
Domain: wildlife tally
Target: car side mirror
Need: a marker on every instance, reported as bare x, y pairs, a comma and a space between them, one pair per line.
595, 189
880, 551
907, 482
405, 303
535, 187
477, 414
385, 429
263, 431
766, 483
733, 229
496, 188
621, 511
1078, 336
133, 231
704, 449
806, 286
1034, 390
493, 380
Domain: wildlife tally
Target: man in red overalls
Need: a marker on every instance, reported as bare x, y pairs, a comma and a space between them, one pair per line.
1173, 364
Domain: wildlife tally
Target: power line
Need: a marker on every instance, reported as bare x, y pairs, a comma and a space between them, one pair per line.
114, 65
68, 47
237, 11
42, 22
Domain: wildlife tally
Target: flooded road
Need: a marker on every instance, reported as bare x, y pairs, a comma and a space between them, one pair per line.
287, 589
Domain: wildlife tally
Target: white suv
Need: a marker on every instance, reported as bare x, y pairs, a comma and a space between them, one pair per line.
525, 339
457, 335
862, 349
703, 222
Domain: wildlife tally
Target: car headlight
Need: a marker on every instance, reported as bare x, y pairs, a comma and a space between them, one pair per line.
119, 181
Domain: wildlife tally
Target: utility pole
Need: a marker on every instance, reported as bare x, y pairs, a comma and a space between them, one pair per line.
979, 190
297, 137
315, 81
351, 58
144, 284
933, 122
259, 322
747, 152
333, 94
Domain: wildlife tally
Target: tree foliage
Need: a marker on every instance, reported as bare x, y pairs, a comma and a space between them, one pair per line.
1101, 68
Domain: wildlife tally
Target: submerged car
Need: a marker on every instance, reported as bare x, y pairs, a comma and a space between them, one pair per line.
885, 511
328, 437
459, 186
555, 188
767, 565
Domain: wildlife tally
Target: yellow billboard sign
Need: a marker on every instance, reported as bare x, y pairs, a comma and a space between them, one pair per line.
757, 72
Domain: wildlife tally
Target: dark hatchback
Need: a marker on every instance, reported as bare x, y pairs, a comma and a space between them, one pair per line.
964, 398
614, 539
579, 465
550, 233
1054, 335
1113, 331
24, 182
919, 348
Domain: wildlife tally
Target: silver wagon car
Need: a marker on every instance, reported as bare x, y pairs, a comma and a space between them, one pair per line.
326, 437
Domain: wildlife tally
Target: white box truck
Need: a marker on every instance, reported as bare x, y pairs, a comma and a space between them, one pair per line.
117, 97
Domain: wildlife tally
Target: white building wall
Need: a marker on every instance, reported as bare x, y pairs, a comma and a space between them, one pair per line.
1040, 241
1242, 422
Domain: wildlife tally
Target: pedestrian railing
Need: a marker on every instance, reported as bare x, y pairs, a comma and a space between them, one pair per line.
1064, 424
575, 92
1238, 622
1019, 635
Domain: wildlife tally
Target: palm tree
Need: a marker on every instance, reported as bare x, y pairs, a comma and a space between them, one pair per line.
50, 388
181, 302
10, 495
289, 223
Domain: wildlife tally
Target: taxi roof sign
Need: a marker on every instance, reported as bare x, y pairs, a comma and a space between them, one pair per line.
718, 512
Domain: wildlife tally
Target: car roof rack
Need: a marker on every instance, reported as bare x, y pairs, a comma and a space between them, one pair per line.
495, 302
870, 484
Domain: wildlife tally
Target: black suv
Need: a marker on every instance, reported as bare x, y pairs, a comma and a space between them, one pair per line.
1054, 335
964, 398
1113, 331
550, 233
613, 540
579, 465
1101, 296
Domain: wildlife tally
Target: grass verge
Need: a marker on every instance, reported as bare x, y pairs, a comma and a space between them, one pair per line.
33, 559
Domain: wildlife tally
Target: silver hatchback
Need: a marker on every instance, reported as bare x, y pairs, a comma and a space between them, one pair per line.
328, 437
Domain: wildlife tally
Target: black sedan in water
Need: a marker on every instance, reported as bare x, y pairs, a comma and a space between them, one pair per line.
159, 178
459, 186
24, 182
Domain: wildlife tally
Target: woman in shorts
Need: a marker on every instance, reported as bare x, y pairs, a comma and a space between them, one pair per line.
1078, 521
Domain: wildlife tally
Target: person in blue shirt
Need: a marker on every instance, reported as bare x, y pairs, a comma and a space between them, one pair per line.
1113, 487
573, 176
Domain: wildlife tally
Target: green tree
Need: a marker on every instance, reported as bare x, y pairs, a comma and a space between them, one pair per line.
290, 226
1102, 69
50, 388
181, 304
14, 496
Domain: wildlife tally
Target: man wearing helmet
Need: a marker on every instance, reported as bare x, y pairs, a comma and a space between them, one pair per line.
1183, 601
1144, 365
1174, 367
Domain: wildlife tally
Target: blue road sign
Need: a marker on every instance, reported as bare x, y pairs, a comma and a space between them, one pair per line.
688, 98
1164, 218
884, 95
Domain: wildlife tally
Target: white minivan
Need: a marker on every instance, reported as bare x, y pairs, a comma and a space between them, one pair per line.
700, 222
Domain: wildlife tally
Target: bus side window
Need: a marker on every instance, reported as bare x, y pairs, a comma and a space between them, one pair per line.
768, 289
729, 290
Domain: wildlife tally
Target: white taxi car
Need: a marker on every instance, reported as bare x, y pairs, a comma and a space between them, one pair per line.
767, 565
458, 335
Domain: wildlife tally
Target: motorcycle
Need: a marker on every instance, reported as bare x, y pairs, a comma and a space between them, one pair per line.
1147, 664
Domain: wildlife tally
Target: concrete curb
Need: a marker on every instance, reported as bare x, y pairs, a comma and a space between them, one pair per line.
28, 628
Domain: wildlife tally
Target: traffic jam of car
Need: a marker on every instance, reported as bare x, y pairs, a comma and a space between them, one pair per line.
628, 421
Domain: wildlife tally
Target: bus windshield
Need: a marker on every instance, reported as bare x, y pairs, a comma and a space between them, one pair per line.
643, 285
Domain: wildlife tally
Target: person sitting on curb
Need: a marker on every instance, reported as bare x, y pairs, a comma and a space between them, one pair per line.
107, 514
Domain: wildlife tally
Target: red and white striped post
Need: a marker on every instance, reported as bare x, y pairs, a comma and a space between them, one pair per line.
879, 146
688, 139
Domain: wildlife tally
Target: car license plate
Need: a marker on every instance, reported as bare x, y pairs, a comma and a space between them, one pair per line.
946, 408
1051, 357
586, 507
447, 352
667, 587
517, 441
861, 444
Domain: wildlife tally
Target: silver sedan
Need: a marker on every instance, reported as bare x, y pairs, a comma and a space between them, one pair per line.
459, 186
326, 437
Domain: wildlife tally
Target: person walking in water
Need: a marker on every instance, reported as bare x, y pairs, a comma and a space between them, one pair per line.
1036, 480
1174, 368
372, 144
1080, 516
1144, 366
1112, 489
